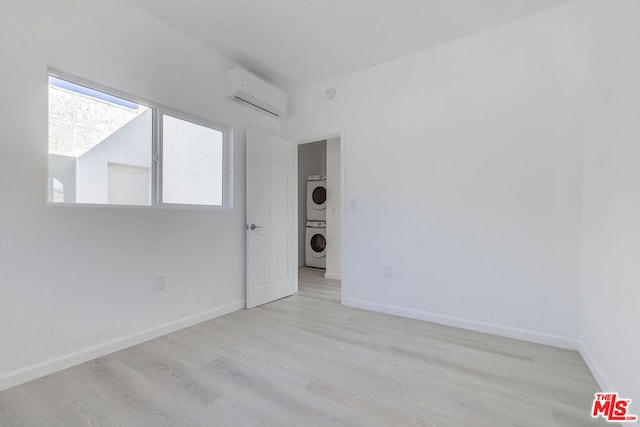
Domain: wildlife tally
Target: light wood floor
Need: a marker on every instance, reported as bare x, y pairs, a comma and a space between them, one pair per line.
307, 360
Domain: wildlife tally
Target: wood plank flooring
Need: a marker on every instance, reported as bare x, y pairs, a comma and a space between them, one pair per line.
306, 360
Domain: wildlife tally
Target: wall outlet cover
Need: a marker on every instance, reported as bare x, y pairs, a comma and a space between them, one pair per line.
161, 283
388, 271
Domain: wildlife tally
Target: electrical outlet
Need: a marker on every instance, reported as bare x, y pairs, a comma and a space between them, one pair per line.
161, 283
388, 271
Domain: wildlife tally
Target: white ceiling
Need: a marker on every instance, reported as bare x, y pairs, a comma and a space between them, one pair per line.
295, 43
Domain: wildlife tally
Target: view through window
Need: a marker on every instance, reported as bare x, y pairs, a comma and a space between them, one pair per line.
192, 163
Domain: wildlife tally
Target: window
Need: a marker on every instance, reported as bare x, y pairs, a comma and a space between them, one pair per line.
58, 191
88, 130
191, 163
104, 149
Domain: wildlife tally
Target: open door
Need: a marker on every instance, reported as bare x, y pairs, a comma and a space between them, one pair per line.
271, 246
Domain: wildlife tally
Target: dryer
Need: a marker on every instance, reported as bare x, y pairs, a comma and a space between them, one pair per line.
317, 198
316, 244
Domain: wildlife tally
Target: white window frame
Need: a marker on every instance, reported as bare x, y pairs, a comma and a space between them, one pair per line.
158, 111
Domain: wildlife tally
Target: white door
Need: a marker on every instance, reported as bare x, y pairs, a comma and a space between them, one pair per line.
129, 185
271, 250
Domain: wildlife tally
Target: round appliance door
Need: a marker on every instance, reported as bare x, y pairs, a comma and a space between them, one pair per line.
318, 195
317, 243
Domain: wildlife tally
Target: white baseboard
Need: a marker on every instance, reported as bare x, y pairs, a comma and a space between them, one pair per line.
474, 325
37, 370
598, 373
332, 276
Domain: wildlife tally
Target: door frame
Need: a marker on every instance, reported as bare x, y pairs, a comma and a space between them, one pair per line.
343, 198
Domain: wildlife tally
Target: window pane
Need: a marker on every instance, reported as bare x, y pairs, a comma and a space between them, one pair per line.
100, 147
191, 163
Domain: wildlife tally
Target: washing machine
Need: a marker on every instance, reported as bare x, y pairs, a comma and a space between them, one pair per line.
316, 244
317, 198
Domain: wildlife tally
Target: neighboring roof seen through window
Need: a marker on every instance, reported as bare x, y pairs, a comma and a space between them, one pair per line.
72, 87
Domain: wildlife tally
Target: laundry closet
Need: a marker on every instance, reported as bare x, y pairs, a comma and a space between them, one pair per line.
312, 204
319, 206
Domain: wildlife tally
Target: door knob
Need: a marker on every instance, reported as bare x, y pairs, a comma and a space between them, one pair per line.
253, 227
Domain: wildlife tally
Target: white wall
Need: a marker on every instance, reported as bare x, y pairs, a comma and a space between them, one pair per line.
610, 297
463, 174
51, 315
334, 206
312, 160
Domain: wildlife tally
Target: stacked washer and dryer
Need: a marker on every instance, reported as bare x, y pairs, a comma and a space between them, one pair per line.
316, 241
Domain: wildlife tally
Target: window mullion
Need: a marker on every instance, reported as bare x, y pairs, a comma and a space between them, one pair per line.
157, 156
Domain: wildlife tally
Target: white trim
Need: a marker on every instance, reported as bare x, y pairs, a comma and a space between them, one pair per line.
343, 210
319, 139
598, 373
37, 370
296, 232
332, 276
474, 325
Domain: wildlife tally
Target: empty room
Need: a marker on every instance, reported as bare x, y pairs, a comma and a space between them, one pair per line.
310, 213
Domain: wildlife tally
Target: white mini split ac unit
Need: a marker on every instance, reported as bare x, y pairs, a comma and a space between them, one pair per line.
251, 90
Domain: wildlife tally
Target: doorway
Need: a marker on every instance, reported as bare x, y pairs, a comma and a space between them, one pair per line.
319, 224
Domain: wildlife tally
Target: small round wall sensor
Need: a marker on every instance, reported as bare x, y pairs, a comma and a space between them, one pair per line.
330, 93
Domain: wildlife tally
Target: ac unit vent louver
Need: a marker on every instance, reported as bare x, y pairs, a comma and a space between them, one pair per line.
251, 90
